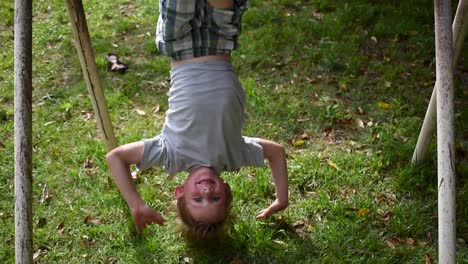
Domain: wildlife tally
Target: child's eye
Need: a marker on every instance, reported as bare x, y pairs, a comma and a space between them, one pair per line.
216, 198
197, 199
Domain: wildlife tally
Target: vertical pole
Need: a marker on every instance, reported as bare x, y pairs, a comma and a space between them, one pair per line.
23, 131
445, 131
459, 28
90, 72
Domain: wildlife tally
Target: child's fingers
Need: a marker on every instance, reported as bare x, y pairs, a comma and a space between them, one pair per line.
138, 228
263, 213
159, 220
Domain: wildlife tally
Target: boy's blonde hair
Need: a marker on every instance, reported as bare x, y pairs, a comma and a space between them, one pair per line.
200, 232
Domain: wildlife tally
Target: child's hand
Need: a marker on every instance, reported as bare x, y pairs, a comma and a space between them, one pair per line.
144, 215
276, 206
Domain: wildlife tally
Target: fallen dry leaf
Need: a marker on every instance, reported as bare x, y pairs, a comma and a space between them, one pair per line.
37, 254
299, 143
304, 136
157, 109
383, 105
60, 228
362, 212
49, 123
237, 260
429, 237
140, 112
360, 123
279, 242
88, 164
334, 165
390, 243
111, 260
360, 111
45, 196
86, 115
385, 216
91, 221
429, 259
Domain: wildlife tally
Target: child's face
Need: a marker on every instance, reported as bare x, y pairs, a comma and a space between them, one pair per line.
205, 195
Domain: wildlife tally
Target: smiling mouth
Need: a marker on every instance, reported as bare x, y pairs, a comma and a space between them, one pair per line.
206, 181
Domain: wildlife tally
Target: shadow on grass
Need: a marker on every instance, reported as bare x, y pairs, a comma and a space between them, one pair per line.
284, 244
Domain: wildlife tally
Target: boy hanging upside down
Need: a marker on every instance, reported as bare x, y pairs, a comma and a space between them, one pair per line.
202, 132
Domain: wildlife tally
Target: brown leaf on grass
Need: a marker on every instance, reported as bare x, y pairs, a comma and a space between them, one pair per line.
89, 167
318, 16
360, 111
111, 260
60, 228
360, 123
393, 242
312, 81
157, 109
237, 260
140, 112
88, 241
334, 165
304, 136
37, 254
362, 212
2, 146
299, 143
385, 215
429, 237
390, 244
280, 242
45, 196
86, 115
91, 221
383, 105
88, 164
429, 259
49, 123
300, 140
347, 192
409, 241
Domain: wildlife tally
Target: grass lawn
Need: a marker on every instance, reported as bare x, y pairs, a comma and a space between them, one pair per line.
343, 85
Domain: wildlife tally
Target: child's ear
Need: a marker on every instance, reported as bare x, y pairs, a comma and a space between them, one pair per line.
227, 188
179, 191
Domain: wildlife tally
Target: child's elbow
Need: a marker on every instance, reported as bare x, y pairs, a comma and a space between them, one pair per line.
111, 157
278, 152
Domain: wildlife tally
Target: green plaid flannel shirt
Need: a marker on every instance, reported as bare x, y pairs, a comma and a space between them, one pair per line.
193, 28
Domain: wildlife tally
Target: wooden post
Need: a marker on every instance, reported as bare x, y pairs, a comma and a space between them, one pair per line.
23, 131
445, 132
459, 28
90, 72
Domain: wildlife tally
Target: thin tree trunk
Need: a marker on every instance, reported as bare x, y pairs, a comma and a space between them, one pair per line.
23, 131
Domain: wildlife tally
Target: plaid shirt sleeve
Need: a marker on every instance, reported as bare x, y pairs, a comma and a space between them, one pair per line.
193, 28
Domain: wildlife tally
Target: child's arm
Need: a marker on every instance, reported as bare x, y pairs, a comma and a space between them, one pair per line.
276, 156
119, 161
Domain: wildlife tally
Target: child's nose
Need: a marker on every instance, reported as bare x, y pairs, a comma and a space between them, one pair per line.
207, 188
